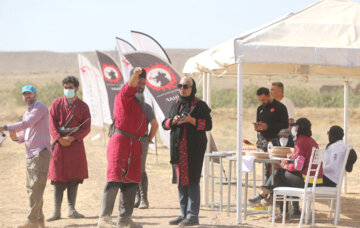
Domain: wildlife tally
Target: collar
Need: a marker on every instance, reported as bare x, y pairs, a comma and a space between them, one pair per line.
32, 105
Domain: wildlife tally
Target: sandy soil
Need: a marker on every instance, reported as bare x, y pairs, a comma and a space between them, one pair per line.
163, 195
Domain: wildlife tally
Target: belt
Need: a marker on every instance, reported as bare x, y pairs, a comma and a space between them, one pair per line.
127, 134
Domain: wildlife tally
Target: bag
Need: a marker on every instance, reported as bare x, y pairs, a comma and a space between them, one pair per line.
351, 161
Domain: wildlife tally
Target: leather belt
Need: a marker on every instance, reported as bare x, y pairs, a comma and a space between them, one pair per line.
127, 134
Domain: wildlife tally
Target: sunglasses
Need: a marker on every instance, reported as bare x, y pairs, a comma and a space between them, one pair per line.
182, 86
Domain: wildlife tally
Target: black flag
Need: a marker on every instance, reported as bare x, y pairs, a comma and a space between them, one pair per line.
112, 77
161, 77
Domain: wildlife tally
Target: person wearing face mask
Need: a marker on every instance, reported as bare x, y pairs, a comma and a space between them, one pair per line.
70, 123
293, 169
285, 138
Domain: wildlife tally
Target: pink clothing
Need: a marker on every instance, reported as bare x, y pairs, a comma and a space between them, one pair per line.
69, 163
124, 153
35, 127
303, 147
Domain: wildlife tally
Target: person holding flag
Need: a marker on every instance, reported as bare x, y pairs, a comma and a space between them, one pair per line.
35, 135
70, 123
124, 153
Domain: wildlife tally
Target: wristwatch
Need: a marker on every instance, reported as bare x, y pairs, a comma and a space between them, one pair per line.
5, 127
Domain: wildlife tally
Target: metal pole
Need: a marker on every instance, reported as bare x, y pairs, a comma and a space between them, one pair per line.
346, 124
239, 146
206, 159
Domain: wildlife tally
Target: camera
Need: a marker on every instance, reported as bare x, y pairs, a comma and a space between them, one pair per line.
183, 116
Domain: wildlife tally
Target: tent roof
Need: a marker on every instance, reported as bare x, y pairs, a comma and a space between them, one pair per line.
319, 40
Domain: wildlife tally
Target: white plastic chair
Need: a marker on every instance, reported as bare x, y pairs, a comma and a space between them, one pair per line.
334, 193
306, 194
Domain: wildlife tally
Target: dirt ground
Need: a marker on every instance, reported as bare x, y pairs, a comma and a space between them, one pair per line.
163, 196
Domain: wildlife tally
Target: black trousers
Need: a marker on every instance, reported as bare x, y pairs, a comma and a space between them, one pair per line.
126, 200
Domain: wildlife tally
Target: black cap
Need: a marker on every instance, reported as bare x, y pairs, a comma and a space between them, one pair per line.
302, 122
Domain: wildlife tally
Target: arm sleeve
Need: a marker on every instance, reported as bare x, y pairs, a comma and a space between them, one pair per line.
86, 127
53, 123
29, 120
204, 122
166, 124
127, 93
283, 120
298, 152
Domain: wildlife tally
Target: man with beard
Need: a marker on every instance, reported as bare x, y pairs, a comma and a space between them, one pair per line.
142, 201
124, 153
35, 134
271, 117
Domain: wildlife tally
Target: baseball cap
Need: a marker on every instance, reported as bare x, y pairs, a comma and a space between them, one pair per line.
28, 88
285, 132
302, 122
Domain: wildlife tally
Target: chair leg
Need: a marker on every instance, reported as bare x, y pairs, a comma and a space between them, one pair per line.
302, 213
307, 211
331, 208
273, 209
313, 213
337, 210
284, 210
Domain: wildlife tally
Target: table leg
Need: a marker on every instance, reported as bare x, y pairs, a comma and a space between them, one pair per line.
221, 195
229, 189
272, 173
245, 198
212, 183
254, 179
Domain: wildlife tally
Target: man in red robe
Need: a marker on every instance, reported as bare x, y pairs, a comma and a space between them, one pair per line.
69, 124
124, 153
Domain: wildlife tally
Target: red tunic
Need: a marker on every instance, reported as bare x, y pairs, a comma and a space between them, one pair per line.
69, 163
124, 153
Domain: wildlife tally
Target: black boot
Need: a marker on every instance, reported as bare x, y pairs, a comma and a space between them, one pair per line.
144, 203
58, 196
71, 194
137, 197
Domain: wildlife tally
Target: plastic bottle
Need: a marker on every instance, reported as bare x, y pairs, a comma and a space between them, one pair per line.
270, 149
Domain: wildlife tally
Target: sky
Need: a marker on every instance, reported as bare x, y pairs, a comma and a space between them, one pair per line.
88, 25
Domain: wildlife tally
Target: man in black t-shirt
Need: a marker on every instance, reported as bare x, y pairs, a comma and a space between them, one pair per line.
271, 117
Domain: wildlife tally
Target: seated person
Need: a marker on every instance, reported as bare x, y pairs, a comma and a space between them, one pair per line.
334, 156
293, 174
285, 138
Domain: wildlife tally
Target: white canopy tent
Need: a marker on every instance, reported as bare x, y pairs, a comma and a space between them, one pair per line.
321, 40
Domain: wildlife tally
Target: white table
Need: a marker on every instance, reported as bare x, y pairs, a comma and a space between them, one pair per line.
231, 159
220, 156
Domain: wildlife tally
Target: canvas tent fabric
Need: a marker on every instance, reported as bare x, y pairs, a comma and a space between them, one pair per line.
320, 40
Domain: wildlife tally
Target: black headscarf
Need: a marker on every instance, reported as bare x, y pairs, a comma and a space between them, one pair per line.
185, 103
336, 133
304, 127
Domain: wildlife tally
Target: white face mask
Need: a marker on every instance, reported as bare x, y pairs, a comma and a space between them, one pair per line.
283, 141
294, 132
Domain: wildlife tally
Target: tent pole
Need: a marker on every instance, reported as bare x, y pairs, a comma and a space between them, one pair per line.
239, 146
206, 159
346, 124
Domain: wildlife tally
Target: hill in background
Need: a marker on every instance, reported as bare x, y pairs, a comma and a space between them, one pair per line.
46, 61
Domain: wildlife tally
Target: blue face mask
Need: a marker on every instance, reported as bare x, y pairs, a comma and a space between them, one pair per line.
69, 93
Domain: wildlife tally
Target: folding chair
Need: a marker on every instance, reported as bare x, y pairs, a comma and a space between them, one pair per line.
334, 193
306, 194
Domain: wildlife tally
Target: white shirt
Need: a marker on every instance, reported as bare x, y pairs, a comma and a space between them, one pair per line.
289, 106
333, 160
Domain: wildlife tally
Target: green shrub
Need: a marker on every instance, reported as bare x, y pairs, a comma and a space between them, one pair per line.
300, 96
